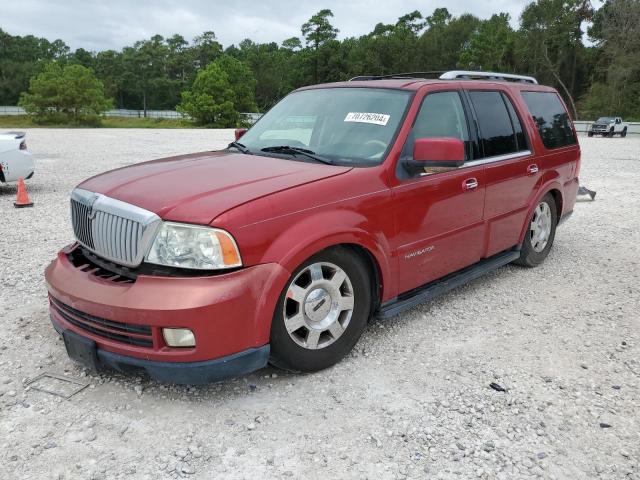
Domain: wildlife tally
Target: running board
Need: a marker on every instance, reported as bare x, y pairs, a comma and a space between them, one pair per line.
443, 285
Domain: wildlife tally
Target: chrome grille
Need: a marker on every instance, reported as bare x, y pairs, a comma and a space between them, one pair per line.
81, 223
113, 230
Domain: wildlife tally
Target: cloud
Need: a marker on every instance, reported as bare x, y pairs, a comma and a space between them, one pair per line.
100, 25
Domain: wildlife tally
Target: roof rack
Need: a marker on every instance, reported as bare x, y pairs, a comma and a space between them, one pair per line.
452, 75
391, 76
470, 75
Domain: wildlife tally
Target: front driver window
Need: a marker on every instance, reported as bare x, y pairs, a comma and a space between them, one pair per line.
441, 115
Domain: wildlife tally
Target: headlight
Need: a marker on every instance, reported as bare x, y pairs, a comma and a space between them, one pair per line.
190, 246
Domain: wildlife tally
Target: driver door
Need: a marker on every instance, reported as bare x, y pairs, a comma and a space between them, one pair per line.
439, 215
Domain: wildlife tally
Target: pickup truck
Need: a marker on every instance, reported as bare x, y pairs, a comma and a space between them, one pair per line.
345, 201
608, 127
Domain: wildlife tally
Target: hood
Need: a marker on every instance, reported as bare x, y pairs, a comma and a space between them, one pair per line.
198, 187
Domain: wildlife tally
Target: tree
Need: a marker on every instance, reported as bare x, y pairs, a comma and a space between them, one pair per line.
412, 21
603, 75
317, 32
206, 49
210, 100
491, 47
241, 82
615, 88
21, 58
550, 42
440, 46
69, 93
293, 44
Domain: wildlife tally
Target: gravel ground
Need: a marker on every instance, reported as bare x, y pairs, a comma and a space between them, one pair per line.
413, 399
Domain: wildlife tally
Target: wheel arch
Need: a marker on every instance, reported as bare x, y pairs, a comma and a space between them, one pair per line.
372, 266
556, 193
335, 228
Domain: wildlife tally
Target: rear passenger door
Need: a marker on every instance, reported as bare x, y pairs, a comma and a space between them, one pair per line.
511, 174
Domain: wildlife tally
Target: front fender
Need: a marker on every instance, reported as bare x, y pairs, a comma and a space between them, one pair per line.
311, 234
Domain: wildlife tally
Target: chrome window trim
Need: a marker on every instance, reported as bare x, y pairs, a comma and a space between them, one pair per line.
98, 202
497, 158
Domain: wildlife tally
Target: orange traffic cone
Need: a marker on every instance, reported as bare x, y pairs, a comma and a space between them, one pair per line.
22, 198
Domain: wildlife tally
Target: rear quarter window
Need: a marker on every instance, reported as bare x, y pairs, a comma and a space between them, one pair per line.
551, 118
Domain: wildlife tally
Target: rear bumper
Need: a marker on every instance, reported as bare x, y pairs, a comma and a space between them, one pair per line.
186, 373
230, 315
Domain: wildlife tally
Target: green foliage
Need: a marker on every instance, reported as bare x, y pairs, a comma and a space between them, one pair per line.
491, 47
220, 93
24, 121
65, 94
602, 77
210, 100
318, 30
241, 81
616, 87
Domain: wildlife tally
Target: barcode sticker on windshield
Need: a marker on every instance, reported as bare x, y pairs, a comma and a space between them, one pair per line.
360, 117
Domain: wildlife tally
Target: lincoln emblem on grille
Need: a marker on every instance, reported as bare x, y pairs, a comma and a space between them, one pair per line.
92, 213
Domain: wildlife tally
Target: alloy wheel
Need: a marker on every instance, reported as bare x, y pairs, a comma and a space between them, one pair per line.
318, 305
540, 229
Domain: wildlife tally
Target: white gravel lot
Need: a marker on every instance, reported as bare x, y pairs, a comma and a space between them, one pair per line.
412, 401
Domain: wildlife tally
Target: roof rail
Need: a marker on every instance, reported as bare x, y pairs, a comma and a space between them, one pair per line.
452, 75
470, 75
409, 75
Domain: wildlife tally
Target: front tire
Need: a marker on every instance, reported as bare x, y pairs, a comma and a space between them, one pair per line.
541, 232
322, 311
590, 134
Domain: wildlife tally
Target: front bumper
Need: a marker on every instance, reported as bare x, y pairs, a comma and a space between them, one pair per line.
186, 373
230, 315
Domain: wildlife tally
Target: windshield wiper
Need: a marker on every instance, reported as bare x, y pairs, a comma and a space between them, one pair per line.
240, 147
293, 150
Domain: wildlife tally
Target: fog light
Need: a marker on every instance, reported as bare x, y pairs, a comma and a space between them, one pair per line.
179, 337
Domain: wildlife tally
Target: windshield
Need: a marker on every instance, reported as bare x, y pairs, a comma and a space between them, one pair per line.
348, 126
605, 119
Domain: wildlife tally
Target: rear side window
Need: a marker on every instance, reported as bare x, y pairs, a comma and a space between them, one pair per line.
496, 124
551, 118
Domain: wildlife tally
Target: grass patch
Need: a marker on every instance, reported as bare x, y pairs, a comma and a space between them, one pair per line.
24, 121
133, 122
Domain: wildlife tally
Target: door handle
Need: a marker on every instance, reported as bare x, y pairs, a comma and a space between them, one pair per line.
470, 184
532, 169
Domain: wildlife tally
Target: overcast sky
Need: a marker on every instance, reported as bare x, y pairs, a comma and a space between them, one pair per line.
100, 25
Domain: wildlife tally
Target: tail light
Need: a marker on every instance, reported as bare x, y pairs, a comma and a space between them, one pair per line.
23, 145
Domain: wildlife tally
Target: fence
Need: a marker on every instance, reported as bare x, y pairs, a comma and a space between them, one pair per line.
108, 113
581, 125
250, 118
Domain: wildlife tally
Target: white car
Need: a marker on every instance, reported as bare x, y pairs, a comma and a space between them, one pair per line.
608, 127
15, 161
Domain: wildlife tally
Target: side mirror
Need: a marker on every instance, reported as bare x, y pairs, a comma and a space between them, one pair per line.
240, 132
436, 152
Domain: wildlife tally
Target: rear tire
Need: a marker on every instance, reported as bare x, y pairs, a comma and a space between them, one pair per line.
624, 132
322, 311
540, 234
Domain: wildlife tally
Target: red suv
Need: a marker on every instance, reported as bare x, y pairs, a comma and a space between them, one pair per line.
345, 201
